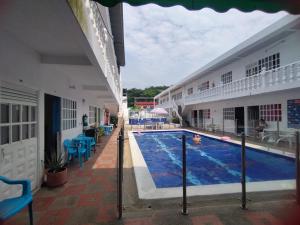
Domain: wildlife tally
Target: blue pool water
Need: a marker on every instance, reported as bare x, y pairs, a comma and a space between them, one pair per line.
211, 162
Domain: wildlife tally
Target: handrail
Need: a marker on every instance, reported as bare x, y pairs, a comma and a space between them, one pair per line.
175, 107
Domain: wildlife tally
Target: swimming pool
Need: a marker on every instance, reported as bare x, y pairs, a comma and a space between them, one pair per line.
213, 162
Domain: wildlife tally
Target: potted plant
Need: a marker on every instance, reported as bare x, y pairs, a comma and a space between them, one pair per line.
101, 131
56, 170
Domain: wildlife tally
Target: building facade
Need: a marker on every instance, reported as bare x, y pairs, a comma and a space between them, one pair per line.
258, 79
60, 60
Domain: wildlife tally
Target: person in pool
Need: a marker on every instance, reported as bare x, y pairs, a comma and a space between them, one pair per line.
197, 139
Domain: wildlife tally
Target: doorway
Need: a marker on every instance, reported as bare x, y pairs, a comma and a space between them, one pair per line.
195, 121
200, 115
253, 119
52, 124
239, 120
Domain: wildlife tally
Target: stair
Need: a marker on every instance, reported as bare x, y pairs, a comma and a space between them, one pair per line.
175, 109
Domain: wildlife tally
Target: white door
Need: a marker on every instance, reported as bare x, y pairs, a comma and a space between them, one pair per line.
18, 132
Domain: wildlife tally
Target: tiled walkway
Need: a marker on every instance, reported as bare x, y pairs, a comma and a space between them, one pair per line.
89, 198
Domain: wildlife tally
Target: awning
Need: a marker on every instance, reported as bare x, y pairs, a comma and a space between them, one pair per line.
270, 6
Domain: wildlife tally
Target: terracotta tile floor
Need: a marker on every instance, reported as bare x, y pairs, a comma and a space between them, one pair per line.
89, 198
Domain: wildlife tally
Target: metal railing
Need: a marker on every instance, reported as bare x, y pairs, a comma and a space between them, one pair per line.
297, 155
120, 171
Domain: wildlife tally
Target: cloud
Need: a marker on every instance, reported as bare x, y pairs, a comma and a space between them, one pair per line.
164, 45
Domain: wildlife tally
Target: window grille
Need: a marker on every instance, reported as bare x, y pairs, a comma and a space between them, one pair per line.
269, 63
228, 113
92, 115
226, 78
271, 112
69, 114
206, 113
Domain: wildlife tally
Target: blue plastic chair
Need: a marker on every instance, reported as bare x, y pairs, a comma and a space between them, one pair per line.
81, 149
11, 206
93, 144
84, 142
70, 148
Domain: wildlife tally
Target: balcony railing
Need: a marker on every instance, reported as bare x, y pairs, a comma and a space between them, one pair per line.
94, 21
105, 40
282, 78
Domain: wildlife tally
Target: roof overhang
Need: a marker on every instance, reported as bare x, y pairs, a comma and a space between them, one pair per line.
291, 6
116, 20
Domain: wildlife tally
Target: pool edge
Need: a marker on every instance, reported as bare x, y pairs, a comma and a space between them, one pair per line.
147, 189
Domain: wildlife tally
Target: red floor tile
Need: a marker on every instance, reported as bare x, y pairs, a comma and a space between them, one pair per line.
91, 199
55, 217
107, 213
263, 218
140, 221
42, 203
74, 189
207, 219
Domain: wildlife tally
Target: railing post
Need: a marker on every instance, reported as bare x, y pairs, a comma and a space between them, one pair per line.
297, 167
223, 125
184, 201
243, 172
120, 174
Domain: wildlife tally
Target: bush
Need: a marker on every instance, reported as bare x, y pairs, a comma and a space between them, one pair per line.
175, 120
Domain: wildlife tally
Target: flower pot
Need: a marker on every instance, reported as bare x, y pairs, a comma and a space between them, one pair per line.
56, 179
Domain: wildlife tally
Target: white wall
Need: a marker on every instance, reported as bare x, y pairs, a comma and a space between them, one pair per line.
20, 64
288, 47
216, 108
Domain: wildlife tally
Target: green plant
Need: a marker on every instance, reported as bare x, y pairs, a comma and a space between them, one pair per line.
175, 120
101, 131
55, 162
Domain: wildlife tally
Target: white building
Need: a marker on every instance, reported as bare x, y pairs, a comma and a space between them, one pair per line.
59, 61
259, 78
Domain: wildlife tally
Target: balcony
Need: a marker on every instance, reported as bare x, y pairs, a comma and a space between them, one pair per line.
282, 78
95, 24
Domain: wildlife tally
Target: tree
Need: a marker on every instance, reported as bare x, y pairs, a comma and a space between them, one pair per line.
147, 92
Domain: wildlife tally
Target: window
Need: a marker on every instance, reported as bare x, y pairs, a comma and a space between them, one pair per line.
293, 113
228, 113
270, 112
69, 114
226, 78
270, 62
33, 122
4, 113
177, 96
204, 86
92, 115
18, 122
206, 113
190, 91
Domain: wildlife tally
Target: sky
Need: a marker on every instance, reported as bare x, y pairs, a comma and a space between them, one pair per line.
164, 45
